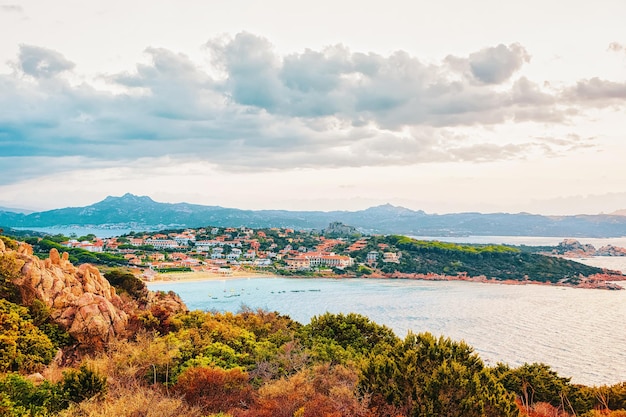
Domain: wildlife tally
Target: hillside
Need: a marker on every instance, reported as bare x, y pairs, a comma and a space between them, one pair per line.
493, 262
142, 212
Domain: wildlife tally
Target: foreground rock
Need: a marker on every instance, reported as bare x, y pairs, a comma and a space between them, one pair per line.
80, 299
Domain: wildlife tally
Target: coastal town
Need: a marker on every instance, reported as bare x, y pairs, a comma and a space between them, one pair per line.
227, 250
338, 251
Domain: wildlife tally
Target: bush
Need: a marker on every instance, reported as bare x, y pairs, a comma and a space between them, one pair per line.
83, 384
40, 313
23, 346
350, 331
428, 376
215, 389
125, 282
19, 397
10, 268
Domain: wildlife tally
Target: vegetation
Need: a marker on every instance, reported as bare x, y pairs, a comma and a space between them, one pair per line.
258, 363
492, 261
23, 346
41, 248
126, 282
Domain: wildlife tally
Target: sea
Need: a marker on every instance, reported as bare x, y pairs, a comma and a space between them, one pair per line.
580, 333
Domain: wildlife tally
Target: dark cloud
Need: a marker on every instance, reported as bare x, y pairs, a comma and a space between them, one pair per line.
252, 109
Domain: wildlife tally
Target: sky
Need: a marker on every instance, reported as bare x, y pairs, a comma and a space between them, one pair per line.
446, 106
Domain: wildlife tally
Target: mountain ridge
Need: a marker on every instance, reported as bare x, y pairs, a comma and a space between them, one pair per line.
135, 211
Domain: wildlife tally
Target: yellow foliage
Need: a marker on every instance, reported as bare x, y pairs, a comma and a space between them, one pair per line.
133, 401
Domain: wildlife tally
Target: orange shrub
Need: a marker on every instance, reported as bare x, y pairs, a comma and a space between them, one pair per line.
215, 389
322, 391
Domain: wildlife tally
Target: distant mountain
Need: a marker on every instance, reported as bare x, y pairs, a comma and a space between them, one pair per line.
15, 210
619, 212
143, 212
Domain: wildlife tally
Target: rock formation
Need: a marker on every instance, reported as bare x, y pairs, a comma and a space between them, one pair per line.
80, 299
571, 248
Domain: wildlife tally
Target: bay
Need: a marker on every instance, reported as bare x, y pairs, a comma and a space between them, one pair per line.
580, 333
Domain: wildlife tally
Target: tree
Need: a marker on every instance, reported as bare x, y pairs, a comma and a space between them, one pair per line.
537, 383
350, 331
426, 376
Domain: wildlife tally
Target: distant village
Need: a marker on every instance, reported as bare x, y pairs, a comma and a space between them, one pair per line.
225, 250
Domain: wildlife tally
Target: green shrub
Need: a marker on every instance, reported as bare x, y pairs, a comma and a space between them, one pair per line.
83, 384
19, 397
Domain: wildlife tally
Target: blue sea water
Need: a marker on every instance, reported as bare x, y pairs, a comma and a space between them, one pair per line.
580, 333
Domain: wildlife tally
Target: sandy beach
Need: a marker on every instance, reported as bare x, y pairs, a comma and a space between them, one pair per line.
207, 276
599, 282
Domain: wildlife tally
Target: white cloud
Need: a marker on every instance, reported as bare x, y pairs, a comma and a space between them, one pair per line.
247, 108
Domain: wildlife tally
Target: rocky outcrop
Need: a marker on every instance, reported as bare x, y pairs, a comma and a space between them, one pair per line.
338, 229
610, 250
574, 249
169, 302
571, 248
81, 300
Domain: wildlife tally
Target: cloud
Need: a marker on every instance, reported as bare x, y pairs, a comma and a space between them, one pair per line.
616, 47
253, 109
493, 65
496, 65
393, 91
597, 90
562, 145
42, 62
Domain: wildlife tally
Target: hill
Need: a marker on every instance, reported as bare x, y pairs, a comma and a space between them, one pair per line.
143, 212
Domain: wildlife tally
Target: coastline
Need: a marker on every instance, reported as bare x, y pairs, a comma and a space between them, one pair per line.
206, 276
600, 281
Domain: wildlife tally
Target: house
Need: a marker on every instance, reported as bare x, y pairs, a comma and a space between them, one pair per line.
162, 243
261, 263
372, 257
156, 257
319, 259
298, 263
391, 257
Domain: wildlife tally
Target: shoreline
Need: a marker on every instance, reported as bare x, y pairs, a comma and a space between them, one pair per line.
602, 282
206, 276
